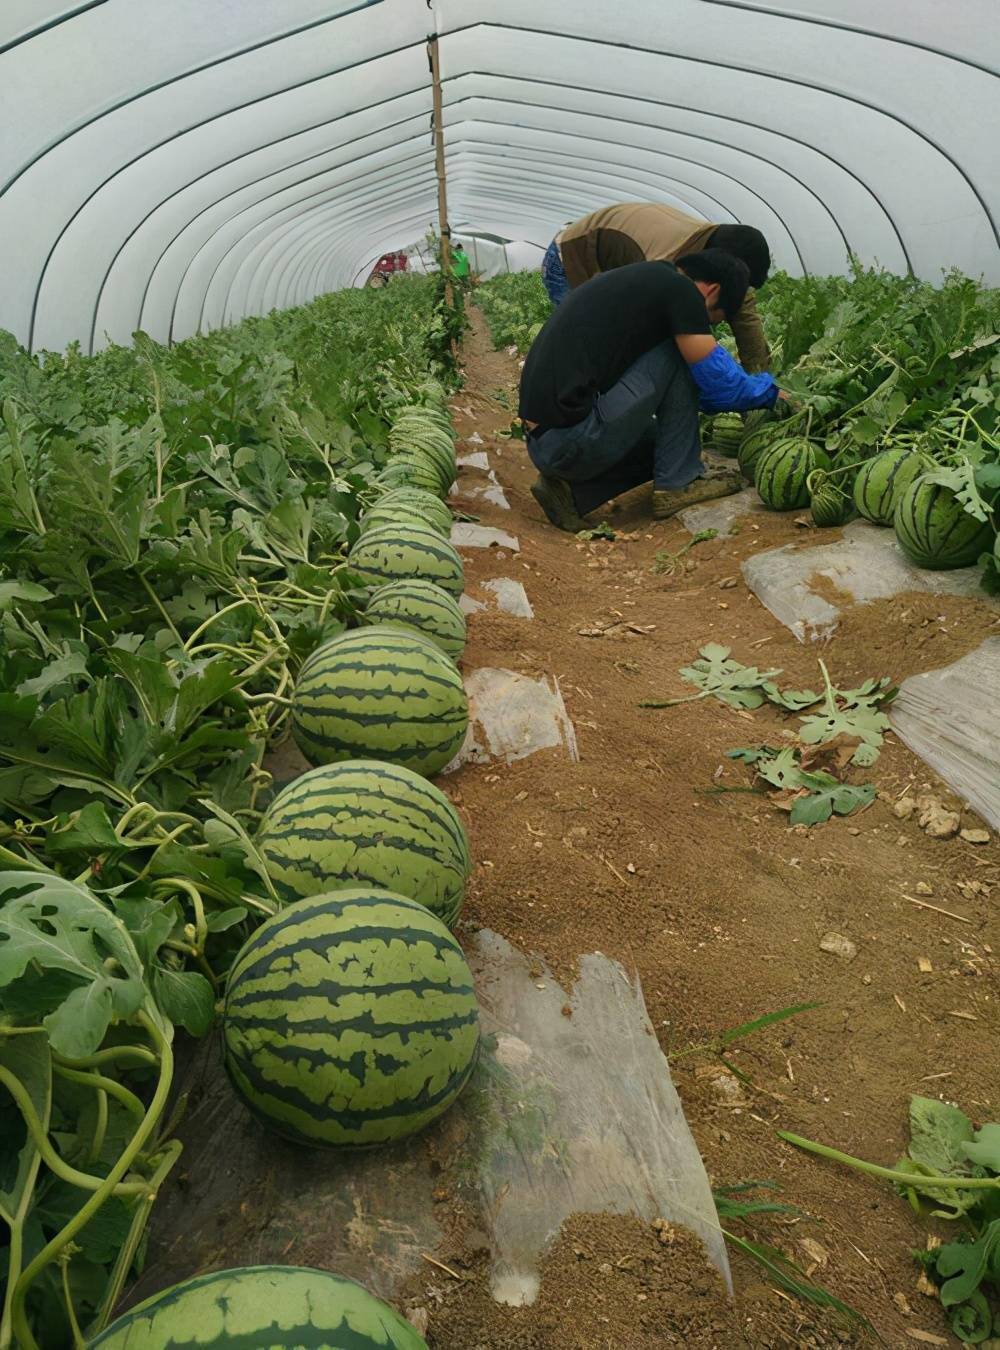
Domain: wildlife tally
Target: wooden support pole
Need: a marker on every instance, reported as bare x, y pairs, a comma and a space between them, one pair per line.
444, 229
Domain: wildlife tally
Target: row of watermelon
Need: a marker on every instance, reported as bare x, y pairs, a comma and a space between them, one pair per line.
350, 1017
896, 487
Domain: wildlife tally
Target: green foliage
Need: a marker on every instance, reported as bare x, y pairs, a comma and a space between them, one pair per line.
956, 1168
516, 305
173, 532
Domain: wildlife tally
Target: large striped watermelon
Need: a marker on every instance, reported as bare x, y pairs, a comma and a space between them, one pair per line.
261, 1308
424, 606
935, 531
755, 441
783, 470
409, 504
363, 822
380, 693
350, 1019
882, 480
403, 550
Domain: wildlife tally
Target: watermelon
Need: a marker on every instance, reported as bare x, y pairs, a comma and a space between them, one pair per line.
350, 1019
935, 531
409, 504
882, 480
428, 470
424, 606
380, 693
782, 471
725, 434
363, 822
754, 443
421, 436
828, 506
403, 550
410, 473
261, 1308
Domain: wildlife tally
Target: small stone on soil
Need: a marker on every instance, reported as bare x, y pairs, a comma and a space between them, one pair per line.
976, 836
838, 945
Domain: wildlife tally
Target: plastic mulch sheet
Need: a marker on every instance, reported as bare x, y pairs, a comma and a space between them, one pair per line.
866, 564
581, 1114
513, 715
949, 718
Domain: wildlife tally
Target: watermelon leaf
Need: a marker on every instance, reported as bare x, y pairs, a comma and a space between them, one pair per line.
961, 478
829, 798
54, 925
185, 997
716, 673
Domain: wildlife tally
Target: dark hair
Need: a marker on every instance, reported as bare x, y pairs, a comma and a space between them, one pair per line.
714, 264
749, 245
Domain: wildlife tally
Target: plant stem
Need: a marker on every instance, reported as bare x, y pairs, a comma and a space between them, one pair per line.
83, 1215
90, 1078
49, 1156
891, 1173
126, 1255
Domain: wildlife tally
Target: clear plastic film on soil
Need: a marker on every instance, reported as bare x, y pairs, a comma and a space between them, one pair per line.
579, 1114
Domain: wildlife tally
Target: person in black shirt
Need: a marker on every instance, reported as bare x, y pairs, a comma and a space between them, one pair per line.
611, 386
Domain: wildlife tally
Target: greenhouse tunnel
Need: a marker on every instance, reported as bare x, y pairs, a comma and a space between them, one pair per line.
252, 157
499, 669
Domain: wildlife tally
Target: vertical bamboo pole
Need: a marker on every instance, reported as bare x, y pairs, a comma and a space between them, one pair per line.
444, 229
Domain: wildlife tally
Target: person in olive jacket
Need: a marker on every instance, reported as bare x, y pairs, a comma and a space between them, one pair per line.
631, 232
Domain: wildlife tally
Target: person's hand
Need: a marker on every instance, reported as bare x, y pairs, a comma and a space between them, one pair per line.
785, 396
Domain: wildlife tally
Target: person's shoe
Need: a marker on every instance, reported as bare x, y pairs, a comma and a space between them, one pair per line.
555, 497
668, 502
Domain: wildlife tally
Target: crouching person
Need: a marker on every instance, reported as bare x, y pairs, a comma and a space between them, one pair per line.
612, 386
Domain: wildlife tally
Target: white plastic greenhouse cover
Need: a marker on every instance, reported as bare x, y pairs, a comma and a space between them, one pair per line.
179, 164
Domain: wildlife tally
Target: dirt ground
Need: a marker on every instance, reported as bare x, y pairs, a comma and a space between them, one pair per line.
720, 907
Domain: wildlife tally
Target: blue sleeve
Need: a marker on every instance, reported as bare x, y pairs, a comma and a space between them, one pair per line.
726, 387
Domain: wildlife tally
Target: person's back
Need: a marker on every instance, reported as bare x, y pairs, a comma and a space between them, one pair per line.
459, 262
628, 232
599, 330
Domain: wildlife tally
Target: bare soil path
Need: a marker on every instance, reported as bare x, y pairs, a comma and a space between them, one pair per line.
720, 906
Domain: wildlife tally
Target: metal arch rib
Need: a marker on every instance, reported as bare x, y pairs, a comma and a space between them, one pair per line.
684, 159
452, 103
777, 13
52, 23
722, 117
455, 103
236, 107
763, 74
693, 135
176, 79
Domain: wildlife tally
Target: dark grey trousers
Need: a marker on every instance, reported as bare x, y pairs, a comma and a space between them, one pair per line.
644, 428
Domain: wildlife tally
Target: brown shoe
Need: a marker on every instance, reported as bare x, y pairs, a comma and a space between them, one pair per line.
555, 497
668, 502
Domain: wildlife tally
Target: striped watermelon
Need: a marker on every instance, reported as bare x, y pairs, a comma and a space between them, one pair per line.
363, 822
261, 1308
424, 606
407, 473
429, 469
380, 693
754, 443
935, 531
350, 1019
782, 471
402, 550
409, 504
882, 480
725, 434
423, 434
